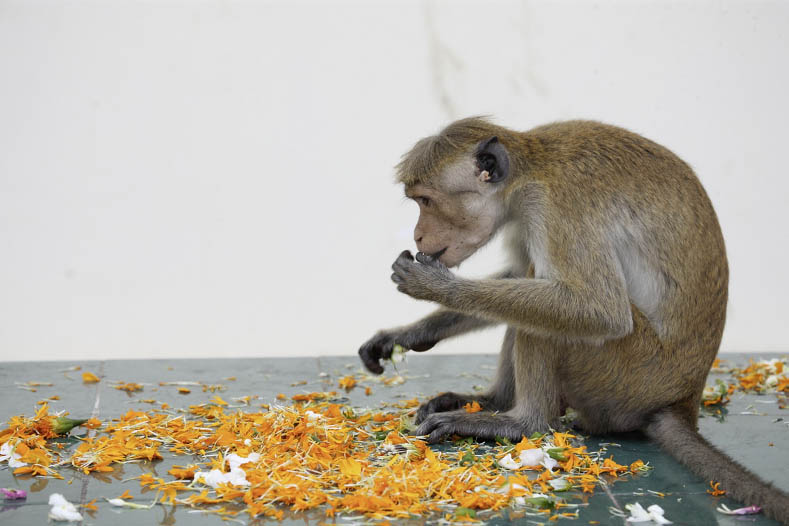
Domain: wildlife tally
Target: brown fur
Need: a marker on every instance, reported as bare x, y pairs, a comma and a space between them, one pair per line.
615, 297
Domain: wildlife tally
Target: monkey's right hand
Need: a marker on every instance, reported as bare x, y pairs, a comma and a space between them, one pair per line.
380, 347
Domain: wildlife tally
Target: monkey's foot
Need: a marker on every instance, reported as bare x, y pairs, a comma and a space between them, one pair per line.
485, 426
443, 403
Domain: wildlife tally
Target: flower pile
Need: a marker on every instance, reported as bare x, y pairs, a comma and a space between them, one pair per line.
23, 444
318, 453
759, 377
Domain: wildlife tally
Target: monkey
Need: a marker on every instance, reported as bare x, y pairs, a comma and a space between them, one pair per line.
614, 297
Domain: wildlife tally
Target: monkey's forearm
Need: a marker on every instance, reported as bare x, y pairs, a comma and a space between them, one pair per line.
419, 336
443, 324
446, 323
543, 306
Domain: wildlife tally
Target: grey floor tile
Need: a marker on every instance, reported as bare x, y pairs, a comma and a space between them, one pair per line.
745, 437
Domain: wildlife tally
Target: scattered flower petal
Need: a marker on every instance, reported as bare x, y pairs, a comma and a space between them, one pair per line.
748, 510
89, 378
8, 452
532, 457
508, 463
654, 513
13, 494
62, 510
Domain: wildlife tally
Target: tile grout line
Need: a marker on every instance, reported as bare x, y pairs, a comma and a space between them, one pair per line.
92, 433
613, 499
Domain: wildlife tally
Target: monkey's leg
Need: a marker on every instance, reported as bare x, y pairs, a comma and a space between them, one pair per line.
498, 398
537, 400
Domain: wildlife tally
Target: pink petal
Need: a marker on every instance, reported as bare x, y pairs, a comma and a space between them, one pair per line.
13, 494
748, 510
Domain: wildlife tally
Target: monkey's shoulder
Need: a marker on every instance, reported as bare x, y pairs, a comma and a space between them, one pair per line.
593, 140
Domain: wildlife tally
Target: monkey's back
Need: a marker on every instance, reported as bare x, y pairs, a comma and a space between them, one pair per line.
657, 221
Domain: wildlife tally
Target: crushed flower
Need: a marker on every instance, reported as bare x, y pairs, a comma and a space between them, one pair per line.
319, 453
472, 407
347, 383
129, 387
715, 490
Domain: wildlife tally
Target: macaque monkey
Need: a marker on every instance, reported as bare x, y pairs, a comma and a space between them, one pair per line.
614, 298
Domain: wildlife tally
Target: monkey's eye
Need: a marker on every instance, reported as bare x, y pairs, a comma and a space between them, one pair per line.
487, 162
422, 200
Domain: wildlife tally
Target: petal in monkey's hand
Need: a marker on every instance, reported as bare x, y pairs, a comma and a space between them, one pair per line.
425, 278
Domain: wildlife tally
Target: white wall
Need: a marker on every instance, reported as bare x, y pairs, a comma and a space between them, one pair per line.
215, 179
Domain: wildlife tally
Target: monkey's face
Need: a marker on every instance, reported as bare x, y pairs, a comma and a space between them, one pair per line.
459, 211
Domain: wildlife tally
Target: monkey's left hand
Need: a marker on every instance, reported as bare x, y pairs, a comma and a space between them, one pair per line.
425, 278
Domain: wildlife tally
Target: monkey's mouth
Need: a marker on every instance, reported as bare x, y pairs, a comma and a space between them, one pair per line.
438, 254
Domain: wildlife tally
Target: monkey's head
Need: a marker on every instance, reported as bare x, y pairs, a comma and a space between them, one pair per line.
457, 178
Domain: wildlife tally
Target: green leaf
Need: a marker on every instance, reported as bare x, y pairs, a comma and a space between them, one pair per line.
557, 453
466, 512
468, 458
63, 425
543, 503
503, 441
536, 435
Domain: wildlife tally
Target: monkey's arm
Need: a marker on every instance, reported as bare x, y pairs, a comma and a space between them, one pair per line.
424, 334
588, 301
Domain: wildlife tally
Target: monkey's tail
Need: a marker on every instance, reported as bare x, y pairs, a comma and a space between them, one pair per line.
680, 440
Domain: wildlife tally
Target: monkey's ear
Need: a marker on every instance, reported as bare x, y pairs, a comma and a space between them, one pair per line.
492, 160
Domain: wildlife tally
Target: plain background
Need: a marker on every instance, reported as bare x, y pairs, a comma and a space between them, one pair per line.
205, 179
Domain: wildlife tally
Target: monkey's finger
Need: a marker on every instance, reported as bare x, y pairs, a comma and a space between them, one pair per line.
403, 260
401, 266
430, 260
439, 434
405, 254
424, 258
436, 431
427, 427
397, 278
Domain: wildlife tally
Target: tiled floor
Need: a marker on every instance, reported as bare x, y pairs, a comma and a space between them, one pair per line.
760, 441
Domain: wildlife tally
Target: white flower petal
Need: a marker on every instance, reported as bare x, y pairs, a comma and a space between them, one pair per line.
56, 499
213, 478
508, 462
7, 452
312, 417
549, 462
656, 514
560, 484
14, 463
531, 457
62, 510
637, 513
235, 461
117, 502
